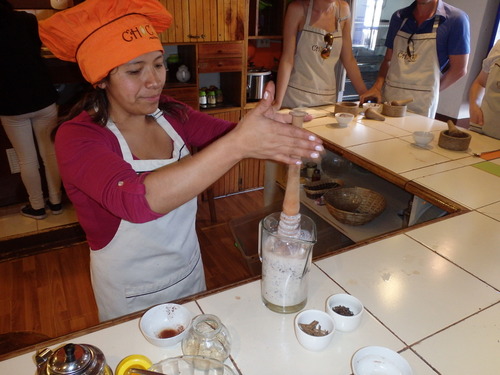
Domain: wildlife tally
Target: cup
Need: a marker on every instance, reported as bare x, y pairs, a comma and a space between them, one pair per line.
346, 311
298, 117
285, 264
324, 323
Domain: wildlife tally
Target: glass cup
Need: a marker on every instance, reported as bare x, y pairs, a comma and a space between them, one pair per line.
285, 264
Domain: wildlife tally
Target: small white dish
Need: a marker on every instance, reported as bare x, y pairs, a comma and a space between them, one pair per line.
311, 342
336, 307
165, 325
423, 138
344, 118
379, 360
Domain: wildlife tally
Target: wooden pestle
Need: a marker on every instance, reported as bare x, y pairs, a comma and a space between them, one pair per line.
373, 114
401, 102
452, 130
290, 217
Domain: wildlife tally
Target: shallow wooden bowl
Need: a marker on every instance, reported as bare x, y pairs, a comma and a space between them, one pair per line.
347, 107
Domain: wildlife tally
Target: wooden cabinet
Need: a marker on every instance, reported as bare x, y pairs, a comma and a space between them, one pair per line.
183, 93
212, 38
205, 20
227, 59
220, 57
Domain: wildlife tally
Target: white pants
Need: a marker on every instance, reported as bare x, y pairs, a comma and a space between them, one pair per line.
22, 130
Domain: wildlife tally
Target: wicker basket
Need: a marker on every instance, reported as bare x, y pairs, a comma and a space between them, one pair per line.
316, 189
354, 206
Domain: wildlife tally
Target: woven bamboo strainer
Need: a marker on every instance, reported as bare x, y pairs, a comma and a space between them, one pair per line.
354, 206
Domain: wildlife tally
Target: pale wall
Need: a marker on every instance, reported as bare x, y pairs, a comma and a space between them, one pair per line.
454, 100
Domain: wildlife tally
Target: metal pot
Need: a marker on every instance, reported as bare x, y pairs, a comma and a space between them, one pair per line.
72, 359
256, 82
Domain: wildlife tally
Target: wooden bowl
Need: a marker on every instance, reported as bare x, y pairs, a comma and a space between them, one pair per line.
459, 142
394, 110
347, 107
354, 206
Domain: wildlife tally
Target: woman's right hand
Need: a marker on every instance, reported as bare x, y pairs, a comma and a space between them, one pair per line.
372, 93
476, 114
265, 134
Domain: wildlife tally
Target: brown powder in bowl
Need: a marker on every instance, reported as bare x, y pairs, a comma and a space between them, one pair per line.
343, 310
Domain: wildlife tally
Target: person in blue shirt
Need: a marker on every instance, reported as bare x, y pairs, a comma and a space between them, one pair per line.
428, 46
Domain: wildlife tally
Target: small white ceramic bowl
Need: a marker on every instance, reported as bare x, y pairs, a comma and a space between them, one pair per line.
376, 106
422, 138
166, 324
338, 303
344, 118
310, 342
379, 360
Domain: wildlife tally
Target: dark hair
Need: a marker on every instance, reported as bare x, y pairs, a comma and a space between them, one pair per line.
5, 8
95, 102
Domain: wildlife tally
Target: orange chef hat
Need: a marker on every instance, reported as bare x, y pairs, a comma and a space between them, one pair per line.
102, 34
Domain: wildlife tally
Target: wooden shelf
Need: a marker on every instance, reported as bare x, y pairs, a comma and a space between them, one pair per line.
220, 108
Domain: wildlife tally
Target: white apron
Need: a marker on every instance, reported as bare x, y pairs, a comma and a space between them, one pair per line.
414, 71
491, 102
312, 81
153, 262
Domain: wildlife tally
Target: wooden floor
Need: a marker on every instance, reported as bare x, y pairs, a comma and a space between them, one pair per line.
49, 294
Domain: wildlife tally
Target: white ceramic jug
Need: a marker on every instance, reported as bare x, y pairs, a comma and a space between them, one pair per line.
183, 74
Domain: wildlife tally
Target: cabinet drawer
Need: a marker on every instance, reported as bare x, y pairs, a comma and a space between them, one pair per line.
187, 95
219, 50
220, 65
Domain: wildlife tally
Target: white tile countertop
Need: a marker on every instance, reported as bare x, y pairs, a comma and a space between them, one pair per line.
431, 293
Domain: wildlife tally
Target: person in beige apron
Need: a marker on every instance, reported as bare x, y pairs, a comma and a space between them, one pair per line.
486, 86
306, 76
414, 71
153, 261
312, 81
141, 224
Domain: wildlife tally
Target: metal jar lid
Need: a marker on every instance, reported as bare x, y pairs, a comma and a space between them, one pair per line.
74, 359
257, 73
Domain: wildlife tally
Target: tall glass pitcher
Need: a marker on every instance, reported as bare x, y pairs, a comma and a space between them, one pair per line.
285, 264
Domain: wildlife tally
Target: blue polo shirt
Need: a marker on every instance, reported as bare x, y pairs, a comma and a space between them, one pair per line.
453, 33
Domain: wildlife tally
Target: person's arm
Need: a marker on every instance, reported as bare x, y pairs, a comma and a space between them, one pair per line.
476, 94
293, 17
457, 69
376, 90
346, 55
261, 134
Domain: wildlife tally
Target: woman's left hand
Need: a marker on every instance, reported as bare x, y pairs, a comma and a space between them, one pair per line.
266, 134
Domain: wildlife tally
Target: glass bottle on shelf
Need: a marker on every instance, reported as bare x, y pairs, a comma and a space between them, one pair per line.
212, 101
219, 97
203, 99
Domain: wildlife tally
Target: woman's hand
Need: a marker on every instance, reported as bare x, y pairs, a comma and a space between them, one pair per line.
265, 134
476, 115
371, 94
